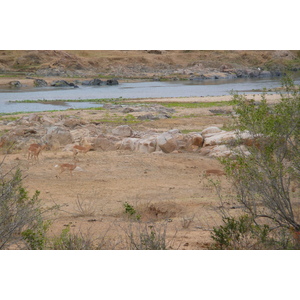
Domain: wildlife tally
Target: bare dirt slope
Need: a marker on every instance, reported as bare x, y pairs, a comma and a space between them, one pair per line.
140, 63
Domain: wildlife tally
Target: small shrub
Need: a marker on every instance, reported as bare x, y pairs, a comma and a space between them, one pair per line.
35, 238
131, 212
145, 236
239, 233
243, 233
70, 241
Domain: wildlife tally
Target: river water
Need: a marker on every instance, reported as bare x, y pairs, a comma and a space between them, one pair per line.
153, 89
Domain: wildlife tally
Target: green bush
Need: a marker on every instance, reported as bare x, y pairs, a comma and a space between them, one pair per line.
18, 212
131, 212
240, 233
36, 237
262, 178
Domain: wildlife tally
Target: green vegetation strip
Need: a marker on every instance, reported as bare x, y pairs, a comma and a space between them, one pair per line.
120, 101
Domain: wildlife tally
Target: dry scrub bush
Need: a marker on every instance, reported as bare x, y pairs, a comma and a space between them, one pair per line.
186, 221
146, 236
262, 179
141, 235
7, 147
85, 207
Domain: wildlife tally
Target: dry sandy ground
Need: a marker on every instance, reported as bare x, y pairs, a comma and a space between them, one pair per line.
270, 98
163, 188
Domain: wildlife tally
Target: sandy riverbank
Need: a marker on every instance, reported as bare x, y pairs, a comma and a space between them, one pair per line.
270, 98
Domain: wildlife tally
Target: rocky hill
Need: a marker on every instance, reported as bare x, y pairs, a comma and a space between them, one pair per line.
155, 64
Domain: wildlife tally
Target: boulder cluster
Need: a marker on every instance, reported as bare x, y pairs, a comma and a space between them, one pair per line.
64, 83
93, 82
64, 132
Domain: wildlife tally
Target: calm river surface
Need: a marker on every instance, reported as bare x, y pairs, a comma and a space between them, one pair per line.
153, 89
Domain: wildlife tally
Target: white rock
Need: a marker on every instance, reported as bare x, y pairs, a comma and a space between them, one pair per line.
210, 130
147, 145
123, 130
166, 142
218, 138
128, 144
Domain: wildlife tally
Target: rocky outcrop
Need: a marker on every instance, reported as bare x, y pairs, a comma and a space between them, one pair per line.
128, 144
78, 135
59, 135
147, 145
211, 142
224, 151
123, 131
40, 83
106, 143
167, 142
95, 81
225, 137
62, 131
59, 83
112, 82
15, 83
63, 83
72, 122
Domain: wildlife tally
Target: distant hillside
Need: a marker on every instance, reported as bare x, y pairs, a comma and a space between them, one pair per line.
143, 63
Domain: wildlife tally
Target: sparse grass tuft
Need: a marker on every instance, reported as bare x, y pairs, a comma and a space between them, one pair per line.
186, 221
84, 207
